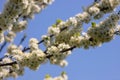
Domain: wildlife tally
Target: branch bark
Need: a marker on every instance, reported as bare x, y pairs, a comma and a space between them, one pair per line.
8, 64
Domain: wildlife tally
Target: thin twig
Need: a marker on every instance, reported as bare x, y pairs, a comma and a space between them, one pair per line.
22, 39
2, 46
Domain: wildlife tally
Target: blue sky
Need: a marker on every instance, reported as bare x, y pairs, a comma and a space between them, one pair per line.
101, 63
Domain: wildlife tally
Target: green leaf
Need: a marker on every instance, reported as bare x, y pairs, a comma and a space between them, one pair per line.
0, 30
54, 25
47, 76
47, 38
58, 21
93, 24
77, 34
63, 73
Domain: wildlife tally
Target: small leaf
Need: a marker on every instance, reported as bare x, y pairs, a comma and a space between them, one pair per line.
58, 21
63, 73
47, 38
0, 30
93, 24
54, 25
47, 76
77, 34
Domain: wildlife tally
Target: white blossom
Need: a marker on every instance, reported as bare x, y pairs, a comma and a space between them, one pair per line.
94, 10
1, 37
53, 30
63, 63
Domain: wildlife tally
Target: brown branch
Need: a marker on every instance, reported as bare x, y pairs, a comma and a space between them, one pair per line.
8, 64
117, 32
65, 50
48, 56
25, 49
69, 49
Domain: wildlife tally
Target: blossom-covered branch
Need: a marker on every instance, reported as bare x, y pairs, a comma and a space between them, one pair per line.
15, 14
96, 11
62, 38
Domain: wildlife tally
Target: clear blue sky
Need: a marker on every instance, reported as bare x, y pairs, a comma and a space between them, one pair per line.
101, 63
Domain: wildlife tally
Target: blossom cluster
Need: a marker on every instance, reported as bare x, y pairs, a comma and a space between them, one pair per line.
64, 30
70, 31
15, 14
32, 59
58, 56
63, 76
104, 31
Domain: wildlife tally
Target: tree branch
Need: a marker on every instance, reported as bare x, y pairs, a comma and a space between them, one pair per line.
65, 50
2, 46
69, 49
8, 64
117, 32
22, 39
25, 49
